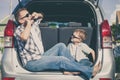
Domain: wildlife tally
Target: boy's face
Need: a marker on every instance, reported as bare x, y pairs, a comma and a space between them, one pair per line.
76, 38
23, 16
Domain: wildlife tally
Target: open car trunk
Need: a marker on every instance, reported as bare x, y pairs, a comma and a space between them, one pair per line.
68, 16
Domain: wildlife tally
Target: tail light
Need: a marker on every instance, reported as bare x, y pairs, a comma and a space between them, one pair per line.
8, 78
106, 35
8, 34
105, 79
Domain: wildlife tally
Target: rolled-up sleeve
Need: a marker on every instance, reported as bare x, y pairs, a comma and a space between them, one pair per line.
86, 49
18, 31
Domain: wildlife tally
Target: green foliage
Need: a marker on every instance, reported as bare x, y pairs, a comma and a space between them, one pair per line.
117, 61
115, 31
1, 49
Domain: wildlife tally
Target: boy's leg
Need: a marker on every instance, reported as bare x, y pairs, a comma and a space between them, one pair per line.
86, 62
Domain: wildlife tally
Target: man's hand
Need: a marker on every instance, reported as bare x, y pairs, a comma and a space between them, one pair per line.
36, 15
28, 22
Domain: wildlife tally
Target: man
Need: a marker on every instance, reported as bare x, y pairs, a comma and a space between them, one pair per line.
31, 49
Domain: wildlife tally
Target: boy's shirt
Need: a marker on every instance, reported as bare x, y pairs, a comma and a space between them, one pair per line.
80, 51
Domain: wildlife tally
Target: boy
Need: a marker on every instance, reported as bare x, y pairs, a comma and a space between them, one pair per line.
80, 50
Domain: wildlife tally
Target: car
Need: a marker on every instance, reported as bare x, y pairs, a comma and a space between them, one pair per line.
61, 18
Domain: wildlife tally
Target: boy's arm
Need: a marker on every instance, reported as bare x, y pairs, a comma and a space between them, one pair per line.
93, 55
89, 50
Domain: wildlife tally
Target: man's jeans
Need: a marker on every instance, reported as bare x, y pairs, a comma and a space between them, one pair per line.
58, 58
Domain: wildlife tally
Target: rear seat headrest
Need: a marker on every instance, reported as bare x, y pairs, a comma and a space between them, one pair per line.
74, 24
70, 24
43, 25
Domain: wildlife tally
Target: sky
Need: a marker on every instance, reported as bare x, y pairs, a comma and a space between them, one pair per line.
6, 8
109, 6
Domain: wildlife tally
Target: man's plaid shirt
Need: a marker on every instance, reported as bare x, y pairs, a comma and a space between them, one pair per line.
28, 49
